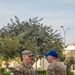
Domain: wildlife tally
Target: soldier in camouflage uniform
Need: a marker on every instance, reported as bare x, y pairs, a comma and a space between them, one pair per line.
55, 67
25, 68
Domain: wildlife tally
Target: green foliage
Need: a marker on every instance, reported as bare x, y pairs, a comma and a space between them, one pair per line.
41, 72
2, 70
69, 72
9, 47
1, 61
6, 73
18, 36
69, 61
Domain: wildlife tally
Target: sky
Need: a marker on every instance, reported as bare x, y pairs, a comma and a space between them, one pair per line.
56, 13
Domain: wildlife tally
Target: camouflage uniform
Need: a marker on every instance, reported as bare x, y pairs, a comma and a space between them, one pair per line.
56, 68
24, 70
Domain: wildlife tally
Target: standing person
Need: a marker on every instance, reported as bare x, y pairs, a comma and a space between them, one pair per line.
25, 68
55, 67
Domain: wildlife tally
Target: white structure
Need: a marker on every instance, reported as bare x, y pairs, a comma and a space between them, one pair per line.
11, 64
70, 47
41, 64
38, 64
70, 52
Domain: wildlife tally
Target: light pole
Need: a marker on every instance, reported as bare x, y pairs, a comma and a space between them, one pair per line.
36, 73
65, 38
64, 34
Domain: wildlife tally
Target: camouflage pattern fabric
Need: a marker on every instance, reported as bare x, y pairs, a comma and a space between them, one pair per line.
56, 68
24, 70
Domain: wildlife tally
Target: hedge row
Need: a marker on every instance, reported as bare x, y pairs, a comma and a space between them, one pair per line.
40, 72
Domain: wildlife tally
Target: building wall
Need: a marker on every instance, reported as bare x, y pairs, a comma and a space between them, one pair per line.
41, 64
70, 53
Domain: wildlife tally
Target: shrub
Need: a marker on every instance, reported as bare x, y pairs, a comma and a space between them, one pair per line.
11, 69
6, 73
2, 70
69, 72
42, 72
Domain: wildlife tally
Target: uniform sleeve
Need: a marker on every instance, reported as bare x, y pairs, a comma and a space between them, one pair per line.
32, 71
18, 70
50, 70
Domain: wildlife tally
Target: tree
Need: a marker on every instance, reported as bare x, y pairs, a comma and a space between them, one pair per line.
8, 48
47, 37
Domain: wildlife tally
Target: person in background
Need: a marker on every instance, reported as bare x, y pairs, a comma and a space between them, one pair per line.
25, 67
55, 67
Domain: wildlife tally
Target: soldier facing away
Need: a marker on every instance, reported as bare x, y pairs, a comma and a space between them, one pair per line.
25, 68
55, 67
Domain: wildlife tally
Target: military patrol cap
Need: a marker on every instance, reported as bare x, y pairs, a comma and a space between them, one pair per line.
27, 52
51, 53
